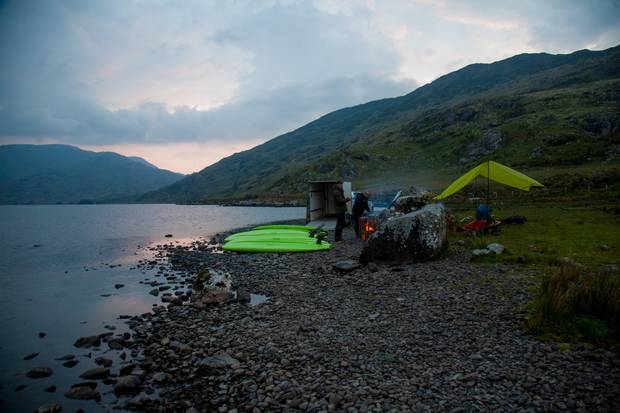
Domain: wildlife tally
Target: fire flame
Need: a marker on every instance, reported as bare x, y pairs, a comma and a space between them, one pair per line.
367, 228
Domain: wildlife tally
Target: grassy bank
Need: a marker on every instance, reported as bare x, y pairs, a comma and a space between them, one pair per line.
552, 235
577, 253
578, 303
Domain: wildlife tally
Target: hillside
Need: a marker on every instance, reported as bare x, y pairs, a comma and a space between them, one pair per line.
50, 174
529, 111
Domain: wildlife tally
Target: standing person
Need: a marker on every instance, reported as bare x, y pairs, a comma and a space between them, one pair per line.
340, 205
360, 205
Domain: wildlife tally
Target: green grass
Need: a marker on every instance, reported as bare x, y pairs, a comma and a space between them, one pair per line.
577, 253
552, 235
575, 303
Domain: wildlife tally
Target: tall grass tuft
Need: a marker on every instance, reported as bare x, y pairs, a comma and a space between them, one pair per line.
581, 303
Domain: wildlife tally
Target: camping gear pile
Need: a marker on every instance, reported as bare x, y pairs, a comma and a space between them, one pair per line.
278, 238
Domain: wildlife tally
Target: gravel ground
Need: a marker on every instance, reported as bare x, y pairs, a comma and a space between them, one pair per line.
438, 336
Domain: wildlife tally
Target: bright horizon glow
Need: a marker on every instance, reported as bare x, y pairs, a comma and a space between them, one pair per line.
183, 157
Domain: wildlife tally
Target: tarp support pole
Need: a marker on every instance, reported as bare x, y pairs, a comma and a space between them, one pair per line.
488, 194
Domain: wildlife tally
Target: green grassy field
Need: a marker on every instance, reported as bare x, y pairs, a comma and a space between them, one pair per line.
553, 234
576, 250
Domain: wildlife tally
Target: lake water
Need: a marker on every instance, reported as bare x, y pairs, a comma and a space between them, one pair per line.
56, 261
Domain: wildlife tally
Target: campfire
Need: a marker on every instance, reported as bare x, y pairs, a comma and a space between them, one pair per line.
367, 225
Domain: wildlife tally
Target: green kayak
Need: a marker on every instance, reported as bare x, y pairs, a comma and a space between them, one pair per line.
275, 238
270, 234
276, 246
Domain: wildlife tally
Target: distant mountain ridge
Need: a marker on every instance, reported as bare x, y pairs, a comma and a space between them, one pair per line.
50, 174
528, 110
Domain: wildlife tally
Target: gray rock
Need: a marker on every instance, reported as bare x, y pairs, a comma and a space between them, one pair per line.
218, 362
160, 377
418, 198
418, 236
39, 372
86, 342
102, 361
70, 363
178, 346
496, 248
126, 369
142, 399
480, 252
244, 296
216, 297
489, 143
91, 384
97, 373
347, 265
127, 385
83, 393
66, 357
154, 291
49, 408
116, 343
372, 267
31, 356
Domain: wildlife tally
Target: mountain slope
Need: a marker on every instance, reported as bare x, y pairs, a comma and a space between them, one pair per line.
66, 174
515, 105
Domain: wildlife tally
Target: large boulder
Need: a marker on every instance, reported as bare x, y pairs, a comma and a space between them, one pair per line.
418, 236
414, 200
212, 287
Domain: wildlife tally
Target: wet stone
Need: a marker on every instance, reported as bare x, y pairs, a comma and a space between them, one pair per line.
83, 393
49, 408
39, 372
102, 361
87, 342
127, 385
96, 373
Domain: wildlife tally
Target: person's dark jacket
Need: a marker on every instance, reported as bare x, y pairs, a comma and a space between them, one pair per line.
360, 205
340, 204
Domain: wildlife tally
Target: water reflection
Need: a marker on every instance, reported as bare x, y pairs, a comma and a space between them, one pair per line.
57, 288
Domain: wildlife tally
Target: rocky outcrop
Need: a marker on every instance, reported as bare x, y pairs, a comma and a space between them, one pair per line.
492, 141
212, 287
603, 124
418, 236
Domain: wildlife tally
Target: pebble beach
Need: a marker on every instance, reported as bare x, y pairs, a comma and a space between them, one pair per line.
446, 335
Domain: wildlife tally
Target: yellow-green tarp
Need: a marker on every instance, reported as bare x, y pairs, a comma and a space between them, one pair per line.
495, 172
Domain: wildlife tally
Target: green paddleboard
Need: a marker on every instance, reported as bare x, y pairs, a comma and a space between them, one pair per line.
269, 234
275, 238
275, 246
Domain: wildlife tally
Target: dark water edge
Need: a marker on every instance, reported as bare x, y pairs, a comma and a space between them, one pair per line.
59, 271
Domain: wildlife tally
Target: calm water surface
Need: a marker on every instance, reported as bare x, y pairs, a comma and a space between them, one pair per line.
56, 261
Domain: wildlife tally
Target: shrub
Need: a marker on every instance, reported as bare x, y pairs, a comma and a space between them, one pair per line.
578, 302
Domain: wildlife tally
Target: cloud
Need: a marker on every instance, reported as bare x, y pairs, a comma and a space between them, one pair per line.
107, 75
132, 72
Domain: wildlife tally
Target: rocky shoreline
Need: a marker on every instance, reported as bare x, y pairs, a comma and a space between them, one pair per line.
332, 335
439, 336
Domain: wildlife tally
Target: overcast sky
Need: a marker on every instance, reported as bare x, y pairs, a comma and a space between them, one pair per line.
185, 83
